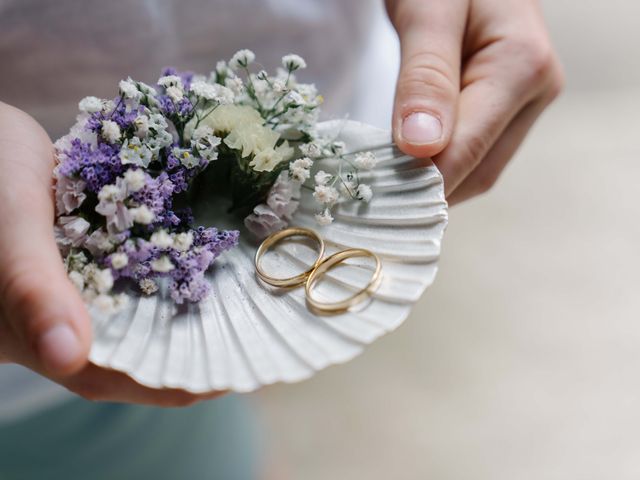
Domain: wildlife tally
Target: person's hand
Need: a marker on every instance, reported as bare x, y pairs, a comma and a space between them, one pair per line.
43, 321
475, 75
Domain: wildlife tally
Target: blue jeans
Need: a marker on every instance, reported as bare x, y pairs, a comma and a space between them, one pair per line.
84, 440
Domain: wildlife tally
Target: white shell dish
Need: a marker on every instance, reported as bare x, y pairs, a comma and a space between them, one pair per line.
244, 335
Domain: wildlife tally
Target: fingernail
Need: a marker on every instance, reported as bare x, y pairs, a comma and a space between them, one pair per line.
420, 128
59, 348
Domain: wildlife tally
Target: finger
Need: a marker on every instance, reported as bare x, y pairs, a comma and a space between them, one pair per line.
99, 384
431, 35
486, 174
496, 87
36, 298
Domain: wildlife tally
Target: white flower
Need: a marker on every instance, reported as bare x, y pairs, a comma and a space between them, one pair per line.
110, 131
90, 104
226, 118
205, 142
242, 58
134, 152
183, 241
222, 68
119, 260
299, 174
325, 194
162, 264
234, 83
75, 229
175, 93
162, 239
170, 81
304, 162
251, 138
324, 218
77, 279
142, 215
129, 89
293, 62
142, 126
295, 99
135, 179
148, 286
102, 280
203, 89
365, 161
322, 177
311, 149
267, 160
225, 95
364, 192
186, 158
279, 86
98, 243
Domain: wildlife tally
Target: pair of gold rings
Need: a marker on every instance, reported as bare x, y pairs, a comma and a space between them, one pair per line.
319, 267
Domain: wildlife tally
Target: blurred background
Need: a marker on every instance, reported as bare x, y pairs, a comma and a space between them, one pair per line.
523, 360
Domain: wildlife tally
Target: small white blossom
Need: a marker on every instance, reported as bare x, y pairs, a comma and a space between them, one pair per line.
279, 86
110, 131
234, 83
142, 215
170, 81
322, 177
77, 279
162, 239
222, 68
183, 241
311, 149
295, 99
135, 179
347, 188
90, 104
364, 192
142, 126
242, 58
299, 174
325, 194
293, 62
365, 161
186, 158
129, 89
175, 93
102, 280
119, 260
162, 264
203, 89
324, 218
148, 286
134, 152
303, 162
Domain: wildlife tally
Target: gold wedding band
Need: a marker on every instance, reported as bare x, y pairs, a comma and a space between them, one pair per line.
275, 238
332, 261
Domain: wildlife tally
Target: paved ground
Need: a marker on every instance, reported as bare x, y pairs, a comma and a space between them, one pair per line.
523, 360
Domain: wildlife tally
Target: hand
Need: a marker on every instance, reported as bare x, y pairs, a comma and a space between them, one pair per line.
43, 321
474, 77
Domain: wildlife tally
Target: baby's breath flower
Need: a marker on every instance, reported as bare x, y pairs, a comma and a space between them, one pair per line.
295, 99
364, 192
322, 177
77, 279
293, 62
175, 93
324, 218
242, 58
365, 160
311, 149
326, 195
303, 162
235, 84
110, 131
183, 241
90, 104
347, 188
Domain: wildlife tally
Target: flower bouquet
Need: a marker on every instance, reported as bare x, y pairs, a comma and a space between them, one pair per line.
131, 169
161, 192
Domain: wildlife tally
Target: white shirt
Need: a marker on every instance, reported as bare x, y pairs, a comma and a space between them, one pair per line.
55, 53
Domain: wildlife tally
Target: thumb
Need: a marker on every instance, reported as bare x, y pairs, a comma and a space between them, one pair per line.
38, 301
431, 35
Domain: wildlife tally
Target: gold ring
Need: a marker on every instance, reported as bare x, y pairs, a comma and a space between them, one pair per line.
275, 238
332, 261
